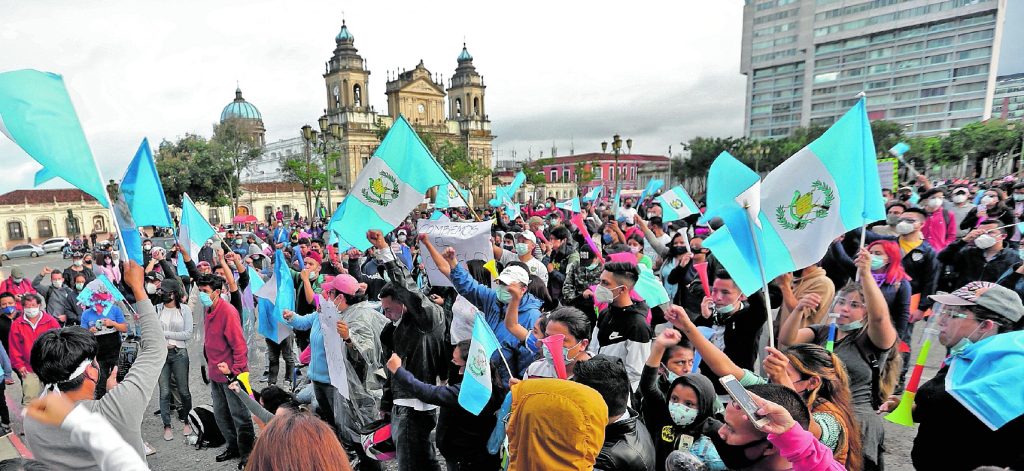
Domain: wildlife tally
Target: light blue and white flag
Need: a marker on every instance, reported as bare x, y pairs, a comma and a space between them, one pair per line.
451, 196
193, 229
985, 379
593, 194
652, 187
273, 298
36, 113
143, 191
391, 184
511, 208
503, 192
676, 204
615, 202
572, 205
439, 216
476, 384
734, 192
899, 149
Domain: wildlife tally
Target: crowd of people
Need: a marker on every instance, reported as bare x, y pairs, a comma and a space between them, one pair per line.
591, 371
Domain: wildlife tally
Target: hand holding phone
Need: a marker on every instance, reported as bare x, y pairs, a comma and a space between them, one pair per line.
742, 398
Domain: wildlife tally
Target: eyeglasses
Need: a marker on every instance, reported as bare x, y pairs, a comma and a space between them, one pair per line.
850, 304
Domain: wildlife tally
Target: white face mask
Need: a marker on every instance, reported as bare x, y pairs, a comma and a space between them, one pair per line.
933, 203
988, 200
904, 228
959, 198
984, 241
31, 312
150, 289
604, 295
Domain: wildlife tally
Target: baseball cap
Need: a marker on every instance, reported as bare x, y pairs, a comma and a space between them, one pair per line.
344, 283
535, 220
17, 273
995, 298
514, 275
528, 236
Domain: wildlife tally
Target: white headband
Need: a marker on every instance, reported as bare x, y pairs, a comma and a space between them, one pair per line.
74, 374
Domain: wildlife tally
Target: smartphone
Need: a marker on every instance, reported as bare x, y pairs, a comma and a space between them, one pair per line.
740, 395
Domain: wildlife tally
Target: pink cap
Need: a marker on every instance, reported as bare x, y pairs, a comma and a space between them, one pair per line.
344, 283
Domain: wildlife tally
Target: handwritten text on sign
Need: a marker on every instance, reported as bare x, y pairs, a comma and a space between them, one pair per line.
471, 241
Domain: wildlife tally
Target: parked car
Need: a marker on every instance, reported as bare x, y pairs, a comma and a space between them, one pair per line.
23, 250
55, 244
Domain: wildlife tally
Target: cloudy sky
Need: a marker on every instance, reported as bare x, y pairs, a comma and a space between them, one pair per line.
555, 71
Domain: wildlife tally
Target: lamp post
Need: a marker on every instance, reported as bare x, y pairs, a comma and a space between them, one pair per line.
617, 149
321, 142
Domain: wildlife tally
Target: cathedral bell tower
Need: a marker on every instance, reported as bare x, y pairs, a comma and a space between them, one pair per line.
466, 91
347, 77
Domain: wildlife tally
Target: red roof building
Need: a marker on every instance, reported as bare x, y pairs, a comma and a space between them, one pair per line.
602, 167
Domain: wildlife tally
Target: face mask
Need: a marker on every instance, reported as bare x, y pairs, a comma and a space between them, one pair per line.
877, 262
79, 286
959, 198
1018, 197
735, 456
167, 297
593, 266
676, 251
727, 309
904, 228
892, 219
551, 205
984, 241
904, 197
522, 249
204, 298
934, 203
502, 294
681, 414
57, 284
146, 247
150, 289
565, 354
17, 280
225, 297
852, 326
7, 310
634, 249
604, 295
672, 377
401, 238
607, 239
31, 312
988, 200
88, 262
78, 263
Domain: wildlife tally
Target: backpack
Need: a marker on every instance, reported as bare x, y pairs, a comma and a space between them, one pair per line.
204, 426
377, 441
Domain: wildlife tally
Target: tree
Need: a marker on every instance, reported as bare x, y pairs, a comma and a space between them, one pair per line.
455, 160
534, 172
886, 134
234, 141
313, 178
190, 165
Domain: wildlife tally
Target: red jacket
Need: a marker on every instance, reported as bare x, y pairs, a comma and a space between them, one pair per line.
225, 342
24, 287
23, 336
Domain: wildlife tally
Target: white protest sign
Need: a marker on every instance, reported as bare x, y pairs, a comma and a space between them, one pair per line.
334, 347
471, 240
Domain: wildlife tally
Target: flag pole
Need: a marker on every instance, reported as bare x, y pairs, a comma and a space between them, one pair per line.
121, 248
764, 280
863, 233
503, 360
461, 196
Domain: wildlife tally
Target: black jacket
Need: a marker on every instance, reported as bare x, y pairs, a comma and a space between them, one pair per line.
59, 301
1001, 212
627, 447
971, 265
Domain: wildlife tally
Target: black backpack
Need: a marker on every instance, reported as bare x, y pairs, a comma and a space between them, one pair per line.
204, 425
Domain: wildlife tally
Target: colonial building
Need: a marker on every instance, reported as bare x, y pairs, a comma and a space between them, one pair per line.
634, 170
247, 116
417, 94
31, 216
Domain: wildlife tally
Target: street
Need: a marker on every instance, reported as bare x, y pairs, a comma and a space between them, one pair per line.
178, 455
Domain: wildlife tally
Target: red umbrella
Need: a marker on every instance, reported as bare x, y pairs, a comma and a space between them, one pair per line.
244, 219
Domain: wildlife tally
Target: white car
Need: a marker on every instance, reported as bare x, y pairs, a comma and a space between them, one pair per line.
23, 250
55, 244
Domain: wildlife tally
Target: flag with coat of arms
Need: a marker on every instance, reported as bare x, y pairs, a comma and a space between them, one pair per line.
676, 204
391, 184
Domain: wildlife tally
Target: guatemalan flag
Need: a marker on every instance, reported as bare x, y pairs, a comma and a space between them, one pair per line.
652, 187
193, 230
502, 193
36, 113
676, 204
476, 384
451, 196
391, 184
593, 194
572, 205
143, 197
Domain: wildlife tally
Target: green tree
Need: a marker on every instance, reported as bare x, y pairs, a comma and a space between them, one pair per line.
983, 139
886, 134
234, 142
455, 160
191, 165
313, 175
534, 172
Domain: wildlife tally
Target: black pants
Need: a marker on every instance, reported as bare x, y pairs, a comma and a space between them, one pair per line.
5, 414
106, 367
274, 353
301, 339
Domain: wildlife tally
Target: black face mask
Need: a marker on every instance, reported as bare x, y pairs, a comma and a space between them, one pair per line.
166, 297
735, 456
904, 197
676, 250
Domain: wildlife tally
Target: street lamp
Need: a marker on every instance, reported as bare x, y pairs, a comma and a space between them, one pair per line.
322, 142
617, 149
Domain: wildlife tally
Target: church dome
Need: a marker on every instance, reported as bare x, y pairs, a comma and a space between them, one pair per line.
464, 56
344, 35
239, 108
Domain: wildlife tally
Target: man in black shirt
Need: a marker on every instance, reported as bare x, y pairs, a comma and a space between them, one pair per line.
737, 321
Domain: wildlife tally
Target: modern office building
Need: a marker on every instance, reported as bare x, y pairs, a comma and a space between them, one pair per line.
928, 64
1008, 100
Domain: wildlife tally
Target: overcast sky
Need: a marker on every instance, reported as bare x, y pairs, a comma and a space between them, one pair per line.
554, 71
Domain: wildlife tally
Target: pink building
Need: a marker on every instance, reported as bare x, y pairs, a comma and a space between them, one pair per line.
602, 166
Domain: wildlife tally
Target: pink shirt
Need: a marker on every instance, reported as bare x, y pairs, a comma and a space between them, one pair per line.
937, 232
803, 451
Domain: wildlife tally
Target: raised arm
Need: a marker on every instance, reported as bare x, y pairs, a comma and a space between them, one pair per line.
439, 260
512, 313
880, 328
232, 286
716, 359
659, 247
790, 333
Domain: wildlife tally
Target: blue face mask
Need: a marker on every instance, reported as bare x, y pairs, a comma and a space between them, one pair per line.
7, 310
962, 345
877, 262
727, 309
672, 377
205, 299
607, 238
565, 354
502, 294
681, 414
852, 326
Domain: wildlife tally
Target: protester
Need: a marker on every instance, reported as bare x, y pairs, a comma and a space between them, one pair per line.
61, 300
736, 320
568, 322
65, 360
920, 260
525, 242
9, 312
573, 417
25, 330
992, 206
627, 445
579, 277
17, 285
78, 268
622, 330
297, 441
176, 320
800, 283
978, 403
982, 255
106, 321
940, 227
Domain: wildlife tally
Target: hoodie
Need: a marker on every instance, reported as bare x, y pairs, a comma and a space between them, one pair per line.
671, 436
623, 332
518, 353
555, 425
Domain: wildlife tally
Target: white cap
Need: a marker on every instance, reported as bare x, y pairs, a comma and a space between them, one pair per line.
514, 274
528, 236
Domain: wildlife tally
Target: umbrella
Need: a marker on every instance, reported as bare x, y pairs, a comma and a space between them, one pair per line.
243, 219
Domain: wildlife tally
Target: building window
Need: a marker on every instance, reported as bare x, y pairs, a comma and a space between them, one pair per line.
287, 210
357, 95
15, 231
826, 77
268, 212
967, 105
45, 228
932, 108
98, 224
214, 216
929, 126
458, 107
476, 106
554, 175
930, 92
904, 112
73, 226
878, 69
565, 174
